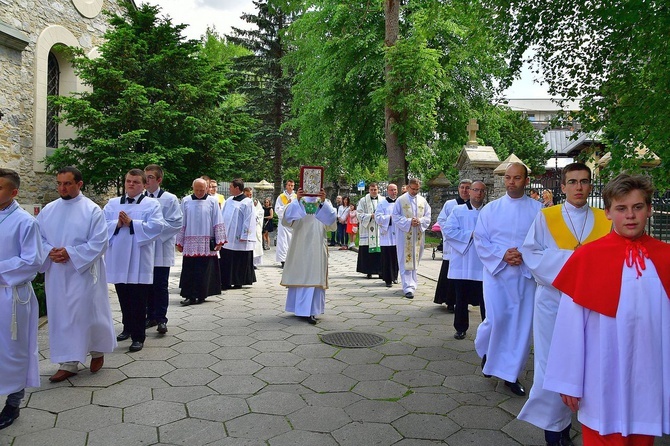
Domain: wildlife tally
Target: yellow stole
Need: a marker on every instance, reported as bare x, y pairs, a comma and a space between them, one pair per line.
561, 233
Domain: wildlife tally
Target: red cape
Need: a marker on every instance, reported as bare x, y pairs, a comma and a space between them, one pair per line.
592, 275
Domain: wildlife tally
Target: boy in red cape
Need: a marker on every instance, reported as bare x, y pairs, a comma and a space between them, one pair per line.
610, 351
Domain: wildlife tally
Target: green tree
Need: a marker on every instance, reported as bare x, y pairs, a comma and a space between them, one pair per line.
441, 69
153, 98
613, 56
266, 84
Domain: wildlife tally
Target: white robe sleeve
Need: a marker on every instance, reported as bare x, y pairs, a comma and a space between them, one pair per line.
83, 256
565, 364
383, 218
490, 254
540, 253
172, 218
454, 232
425, 220
328, 216
364, 214
294, 211
148, 231
20, 269
442, 217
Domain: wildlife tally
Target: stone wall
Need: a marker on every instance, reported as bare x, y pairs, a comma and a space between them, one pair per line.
42, 22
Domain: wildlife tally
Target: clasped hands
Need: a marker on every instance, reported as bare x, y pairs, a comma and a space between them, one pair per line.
513, 257
59, 255
124, 220
415, 222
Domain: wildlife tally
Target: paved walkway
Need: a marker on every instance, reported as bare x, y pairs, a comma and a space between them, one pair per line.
238, 370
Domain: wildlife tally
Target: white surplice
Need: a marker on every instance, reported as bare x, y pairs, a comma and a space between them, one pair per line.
368, 230
448, 207
504, 336
202, 220
21, 257
172, 219
619, 366
306, 270
80, 317
258, 246
283, 233
130, 256
545, 260
239, 219
410, 239
458, 234
385, 222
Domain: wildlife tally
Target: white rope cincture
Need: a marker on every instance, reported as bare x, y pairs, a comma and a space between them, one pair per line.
16, 299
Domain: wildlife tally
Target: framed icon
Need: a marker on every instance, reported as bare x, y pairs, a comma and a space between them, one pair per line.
311, 180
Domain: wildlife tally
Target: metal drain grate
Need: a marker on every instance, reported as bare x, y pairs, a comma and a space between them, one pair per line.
352, 339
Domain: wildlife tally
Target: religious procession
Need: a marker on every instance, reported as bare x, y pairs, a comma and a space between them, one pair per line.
527, 267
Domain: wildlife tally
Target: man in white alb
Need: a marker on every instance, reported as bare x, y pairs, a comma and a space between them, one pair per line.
387, 236
369, 260
237, 256
283, 233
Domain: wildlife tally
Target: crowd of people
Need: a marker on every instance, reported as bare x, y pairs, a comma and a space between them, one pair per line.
599, 337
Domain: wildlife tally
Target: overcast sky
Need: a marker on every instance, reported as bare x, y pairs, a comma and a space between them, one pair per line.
224, 14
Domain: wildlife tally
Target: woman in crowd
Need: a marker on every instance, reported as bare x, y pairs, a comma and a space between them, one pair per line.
268, 223
547, 198
342, 214
352, 225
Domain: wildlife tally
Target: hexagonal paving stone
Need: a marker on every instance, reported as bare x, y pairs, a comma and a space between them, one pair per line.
197, 336
380, 390
236, 441
217, 408
237, 385
153, 353
480, 417
273, 346
192, 432
236, 367
527, 434
89, 418
418, 378
314, 350
126, 434
195, 347
339, 399
257, 426
375, 411
60, 399
428, 403
281, 375
368, 372
359, 356
276, 403
480, 436
52, 437
147, 369
330, 382
322, 365
235, 353
154, 413
298, 437
368, 434
104, 378
190, 377
404, 362
182, 394
193, 361
234, 341
427, 426
31, 420
279, 359
451, 367
319, 419
121, 396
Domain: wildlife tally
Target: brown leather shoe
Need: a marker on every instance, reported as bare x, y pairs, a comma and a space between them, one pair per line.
96, 364
61, 375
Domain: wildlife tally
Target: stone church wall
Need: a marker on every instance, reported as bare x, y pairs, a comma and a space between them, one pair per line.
42, 23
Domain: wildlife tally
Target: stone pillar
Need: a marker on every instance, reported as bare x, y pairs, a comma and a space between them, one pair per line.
438, 194
264, 190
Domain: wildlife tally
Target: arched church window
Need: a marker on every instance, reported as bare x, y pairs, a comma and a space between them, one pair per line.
53, 80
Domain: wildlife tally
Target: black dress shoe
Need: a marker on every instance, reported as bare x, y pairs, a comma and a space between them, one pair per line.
187, 302
409, 295
162, 328
136, 346
122, 336
150, 323
483, 364
388, 285
369, 276
8, 415
516, 388
311, 320
395, 281
459, 335
451, 309
566, 441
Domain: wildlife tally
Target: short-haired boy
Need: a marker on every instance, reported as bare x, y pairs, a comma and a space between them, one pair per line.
610, 352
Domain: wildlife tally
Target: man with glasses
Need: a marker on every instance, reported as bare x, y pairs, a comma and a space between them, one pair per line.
555, 234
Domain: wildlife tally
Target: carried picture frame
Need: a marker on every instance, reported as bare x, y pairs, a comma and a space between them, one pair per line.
311, 180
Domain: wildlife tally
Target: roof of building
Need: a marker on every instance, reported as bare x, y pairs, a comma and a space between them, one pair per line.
542, 104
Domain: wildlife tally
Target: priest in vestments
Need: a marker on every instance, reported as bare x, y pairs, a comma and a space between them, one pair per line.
283, 233
387, 236
134, 223
445, 291
610, 351
555, 234
201, 236
260, 214
465, 268
369, 251
306, 270
503, 339
74, 233
411, 216
21, 257
237, 256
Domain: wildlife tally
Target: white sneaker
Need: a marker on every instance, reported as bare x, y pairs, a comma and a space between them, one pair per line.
352, 245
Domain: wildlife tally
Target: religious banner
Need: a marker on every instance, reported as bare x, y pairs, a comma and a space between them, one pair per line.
311, 180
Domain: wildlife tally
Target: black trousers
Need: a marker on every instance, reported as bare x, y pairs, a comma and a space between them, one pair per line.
467, 291
158, 299
133, 301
